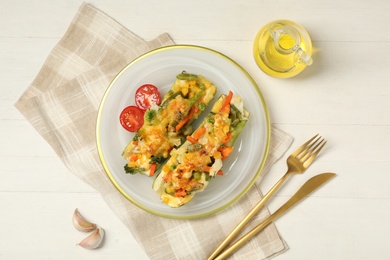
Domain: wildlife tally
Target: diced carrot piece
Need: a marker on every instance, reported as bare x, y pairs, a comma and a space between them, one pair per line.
182, 123
180, 193
152, 169
228, 137
226, 151
196, 109
186, 118
226, 104
133, 158
207, 169
191, 139
199, 132
168, 177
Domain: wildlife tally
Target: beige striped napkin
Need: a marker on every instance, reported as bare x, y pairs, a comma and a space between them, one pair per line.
62, 102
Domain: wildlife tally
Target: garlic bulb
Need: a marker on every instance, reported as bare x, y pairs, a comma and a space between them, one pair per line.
81, 224
93, 240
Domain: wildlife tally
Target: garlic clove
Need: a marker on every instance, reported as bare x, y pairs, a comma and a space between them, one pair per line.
93, 240
80, 223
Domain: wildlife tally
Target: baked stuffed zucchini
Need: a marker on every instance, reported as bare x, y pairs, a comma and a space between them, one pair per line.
191, 167
166, 126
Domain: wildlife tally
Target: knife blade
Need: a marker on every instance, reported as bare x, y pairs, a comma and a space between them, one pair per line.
308, 187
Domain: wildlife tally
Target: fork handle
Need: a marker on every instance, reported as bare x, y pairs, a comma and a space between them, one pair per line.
245, 239
249, 216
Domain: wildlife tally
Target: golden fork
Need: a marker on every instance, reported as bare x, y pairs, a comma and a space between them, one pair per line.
297, 162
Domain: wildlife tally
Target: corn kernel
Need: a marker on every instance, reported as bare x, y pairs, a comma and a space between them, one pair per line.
217, 155
176, 87
217, 106
170, 189
225, 115
184, 90
226, 128
165, 168
165, 200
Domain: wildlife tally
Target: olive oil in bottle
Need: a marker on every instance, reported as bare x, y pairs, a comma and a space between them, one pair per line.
282, 49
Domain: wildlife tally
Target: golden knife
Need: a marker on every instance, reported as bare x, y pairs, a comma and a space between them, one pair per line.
307, 188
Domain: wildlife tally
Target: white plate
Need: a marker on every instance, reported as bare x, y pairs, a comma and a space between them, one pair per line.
160, 67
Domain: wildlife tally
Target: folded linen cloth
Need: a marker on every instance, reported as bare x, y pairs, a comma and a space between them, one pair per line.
61, 103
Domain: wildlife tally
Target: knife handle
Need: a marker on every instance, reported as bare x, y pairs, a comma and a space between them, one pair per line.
248, 217
242, 241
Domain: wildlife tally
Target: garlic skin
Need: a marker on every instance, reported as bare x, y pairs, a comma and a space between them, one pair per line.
81, 224
93, 240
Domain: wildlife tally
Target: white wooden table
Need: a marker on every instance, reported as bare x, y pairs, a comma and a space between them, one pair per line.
344, 95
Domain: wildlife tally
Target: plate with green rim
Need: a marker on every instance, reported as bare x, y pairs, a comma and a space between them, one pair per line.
160, 67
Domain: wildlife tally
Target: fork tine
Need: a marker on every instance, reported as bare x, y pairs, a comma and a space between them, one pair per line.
314, 155
309, 149
303, 147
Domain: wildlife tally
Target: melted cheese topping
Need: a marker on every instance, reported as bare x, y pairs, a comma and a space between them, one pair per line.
159, 135
190, 168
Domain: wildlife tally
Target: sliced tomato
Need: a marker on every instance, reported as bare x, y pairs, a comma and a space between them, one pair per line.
146, 95
132, 118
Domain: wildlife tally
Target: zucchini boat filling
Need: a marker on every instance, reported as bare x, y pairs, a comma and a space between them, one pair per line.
191, 167
166, 126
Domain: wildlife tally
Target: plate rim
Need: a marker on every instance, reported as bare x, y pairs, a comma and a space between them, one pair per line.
267, 123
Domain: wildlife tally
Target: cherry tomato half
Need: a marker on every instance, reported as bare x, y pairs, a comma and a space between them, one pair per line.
132, 118
146, 95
